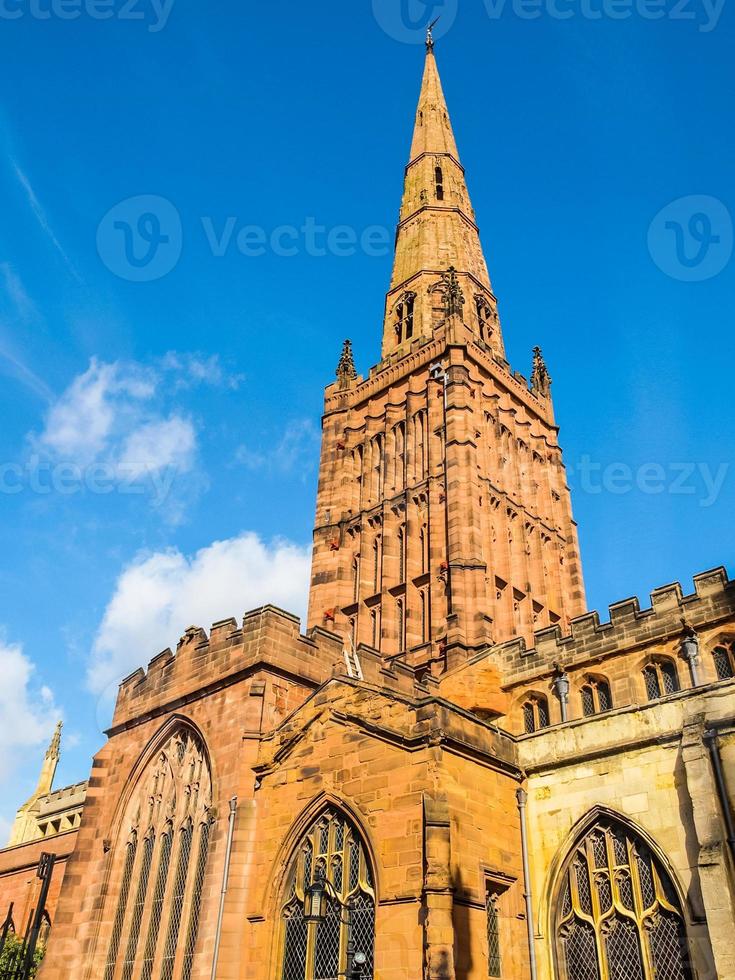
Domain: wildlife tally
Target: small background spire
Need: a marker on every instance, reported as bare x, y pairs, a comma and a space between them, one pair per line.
54, 748
540, 377
346, 372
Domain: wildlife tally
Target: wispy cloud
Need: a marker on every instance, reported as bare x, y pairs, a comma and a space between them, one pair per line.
41, 217
16, 292
15, 366
293, 450
110, 414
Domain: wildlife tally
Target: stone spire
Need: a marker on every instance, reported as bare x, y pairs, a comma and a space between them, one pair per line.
433, 130
25, 827
436, 228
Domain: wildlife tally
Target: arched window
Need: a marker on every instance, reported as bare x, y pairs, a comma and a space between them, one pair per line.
161, 864
423, 599
439, 183
723, 656
484, 319
596, 696
405, 317
332, 846
617, 913
661, 678
535, 713
355, 578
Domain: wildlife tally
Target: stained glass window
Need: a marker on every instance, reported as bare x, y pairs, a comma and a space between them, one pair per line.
618, 916
333, 846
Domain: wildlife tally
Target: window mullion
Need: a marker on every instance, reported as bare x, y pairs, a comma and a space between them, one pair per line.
167, 904
310, 951
145, 924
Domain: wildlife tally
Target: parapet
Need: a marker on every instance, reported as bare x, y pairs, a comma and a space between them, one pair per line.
628, 626
268, 638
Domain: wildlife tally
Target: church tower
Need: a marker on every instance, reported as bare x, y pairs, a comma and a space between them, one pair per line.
443, 519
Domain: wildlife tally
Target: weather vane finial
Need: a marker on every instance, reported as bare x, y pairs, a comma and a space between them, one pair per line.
430, 33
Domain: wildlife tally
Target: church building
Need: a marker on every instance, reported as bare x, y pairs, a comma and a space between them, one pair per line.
455, 771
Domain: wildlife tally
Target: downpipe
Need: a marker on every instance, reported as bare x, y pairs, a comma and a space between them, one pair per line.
522, 798
225, 876
712, 740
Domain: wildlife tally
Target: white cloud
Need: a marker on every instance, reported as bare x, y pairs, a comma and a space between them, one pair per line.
98, 406
296, 448
111, 414
28, 715
159, 595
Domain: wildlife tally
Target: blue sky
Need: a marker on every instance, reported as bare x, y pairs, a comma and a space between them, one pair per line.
160, 438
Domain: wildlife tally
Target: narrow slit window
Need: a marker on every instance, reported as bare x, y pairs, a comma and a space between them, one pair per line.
439, 183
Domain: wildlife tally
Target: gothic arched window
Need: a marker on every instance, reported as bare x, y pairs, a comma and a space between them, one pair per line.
618, 916
160, 863
723, 656
535, 713
405, 317
596, 696
333, 846
661, 678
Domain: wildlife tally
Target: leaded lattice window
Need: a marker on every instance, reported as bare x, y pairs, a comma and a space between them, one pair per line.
724, 661
596, 696
661, 678
156, 922
618, 916
535, 713
310, 952
492, 912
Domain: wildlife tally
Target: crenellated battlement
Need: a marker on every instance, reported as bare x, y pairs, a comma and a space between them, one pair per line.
268, 638
627, 628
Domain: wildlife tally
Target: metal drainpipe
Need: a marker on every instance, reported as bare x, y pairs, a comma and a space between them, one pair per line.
712, 741
522, 797
225, 876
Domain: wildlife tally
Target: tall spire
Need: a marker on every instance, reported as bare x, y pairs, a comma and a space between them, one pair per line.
50, 761
436, 229
433, 131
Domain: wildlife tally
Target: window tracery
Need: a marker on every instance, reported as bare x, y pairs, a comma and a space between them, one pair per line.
618, 916
313, 951
167, 820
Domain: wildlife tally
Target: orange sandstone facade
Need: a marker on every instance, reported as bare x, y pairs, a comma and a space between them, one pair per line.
457, 772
